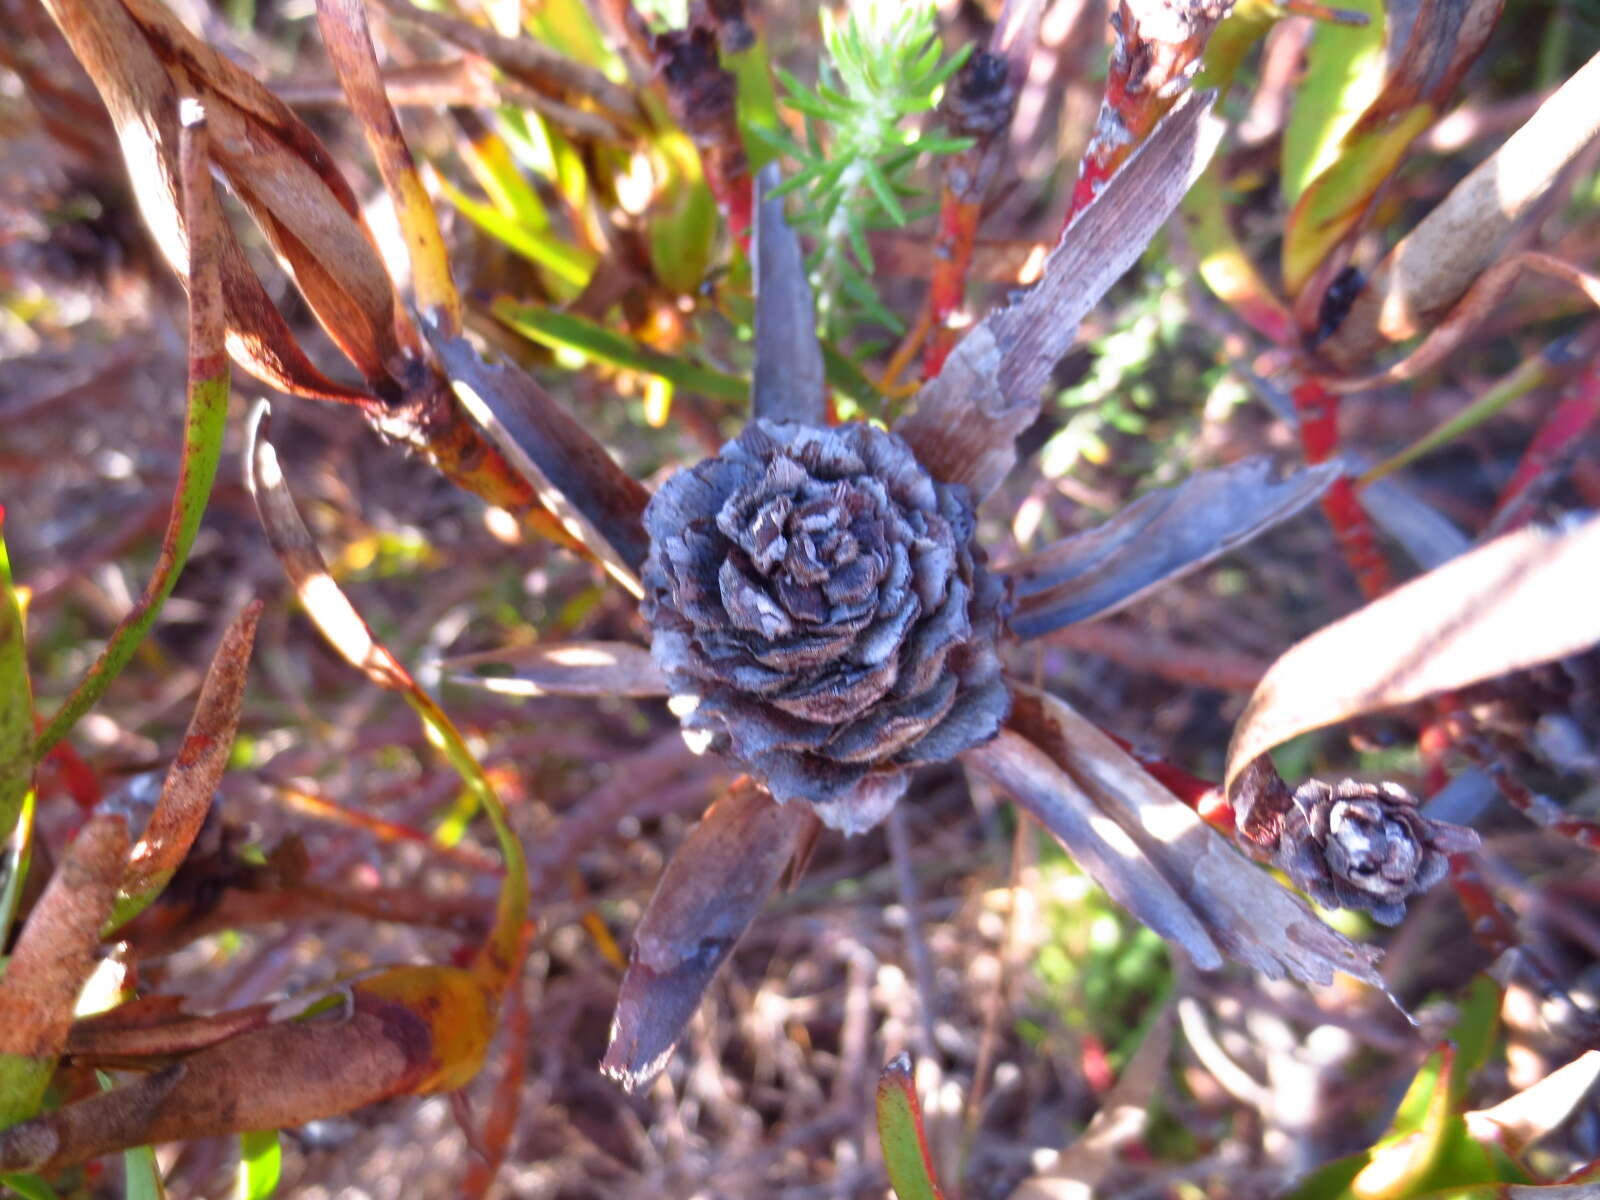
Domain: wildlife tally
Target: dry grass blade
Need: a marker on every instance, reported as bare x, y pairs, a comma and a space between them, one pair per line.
349, 42
204, 427
1123, 1114
564, 669
55, 953
788, 383
967, 419
1517, 601
1245, 912
1433, 266
1161, 537
597, 502
195, 773
716, 883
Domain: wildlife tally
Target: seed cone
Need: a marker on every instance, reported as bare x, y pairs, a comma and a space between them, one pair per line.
1365, 845
823, 617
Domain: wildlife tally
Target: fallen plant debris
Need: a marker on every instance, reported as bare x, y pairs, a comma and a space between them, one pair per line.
662, 323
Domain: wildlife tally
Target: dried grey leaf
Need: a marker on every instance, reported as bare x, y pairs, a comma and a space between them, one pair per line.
1162, 536
788, 383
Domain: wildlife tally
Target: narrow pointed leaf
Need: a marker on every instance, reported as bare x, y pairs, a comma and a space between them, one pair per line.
194, 775
1161, 537
901, 1135
54, 954
716, 883
16, 703
1516, 1123
349, 43
563, 669
345, 630
788, 384
573, 475
967, 418
1512, 603
1434, 265
1097, 843
1244, 912
204, 425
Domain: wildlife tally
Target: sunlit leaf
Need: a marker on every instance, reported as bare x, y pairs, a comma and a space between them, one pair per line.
260, 1165
900, 1133
16, 703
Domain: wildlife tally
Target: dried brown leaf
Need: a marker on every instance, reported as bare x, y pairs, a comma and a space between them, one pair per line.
1161, 537
573, 475
349, 42
968, 417
1517, 1122
1433, 266
1512, 603
712, 889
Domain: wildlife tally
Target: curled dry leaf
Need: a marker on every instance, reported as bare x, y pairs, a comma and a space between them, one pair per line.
142, 59
564, 669
1520, 600
1240, 910
967, 419
716, 883
1516, 1123
1161, 537
55, 953
1433, 266
788, 383
195, 773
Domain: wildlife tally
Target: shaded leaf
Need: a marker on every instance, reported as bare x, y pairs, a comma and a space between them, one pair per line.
716, 883
55, 953
1517, 601
564, 669
788, 383
967, 419
1161, 537
596, 501
194, 775
204, 425
901, 1135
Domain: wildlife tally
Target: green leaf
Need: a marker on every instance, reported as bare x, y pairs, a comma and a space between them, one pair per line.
260, 1165
571, 266
900, 1133
204, 425
1344, 72
565, 331
16, 702
29, 1187
19, 854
